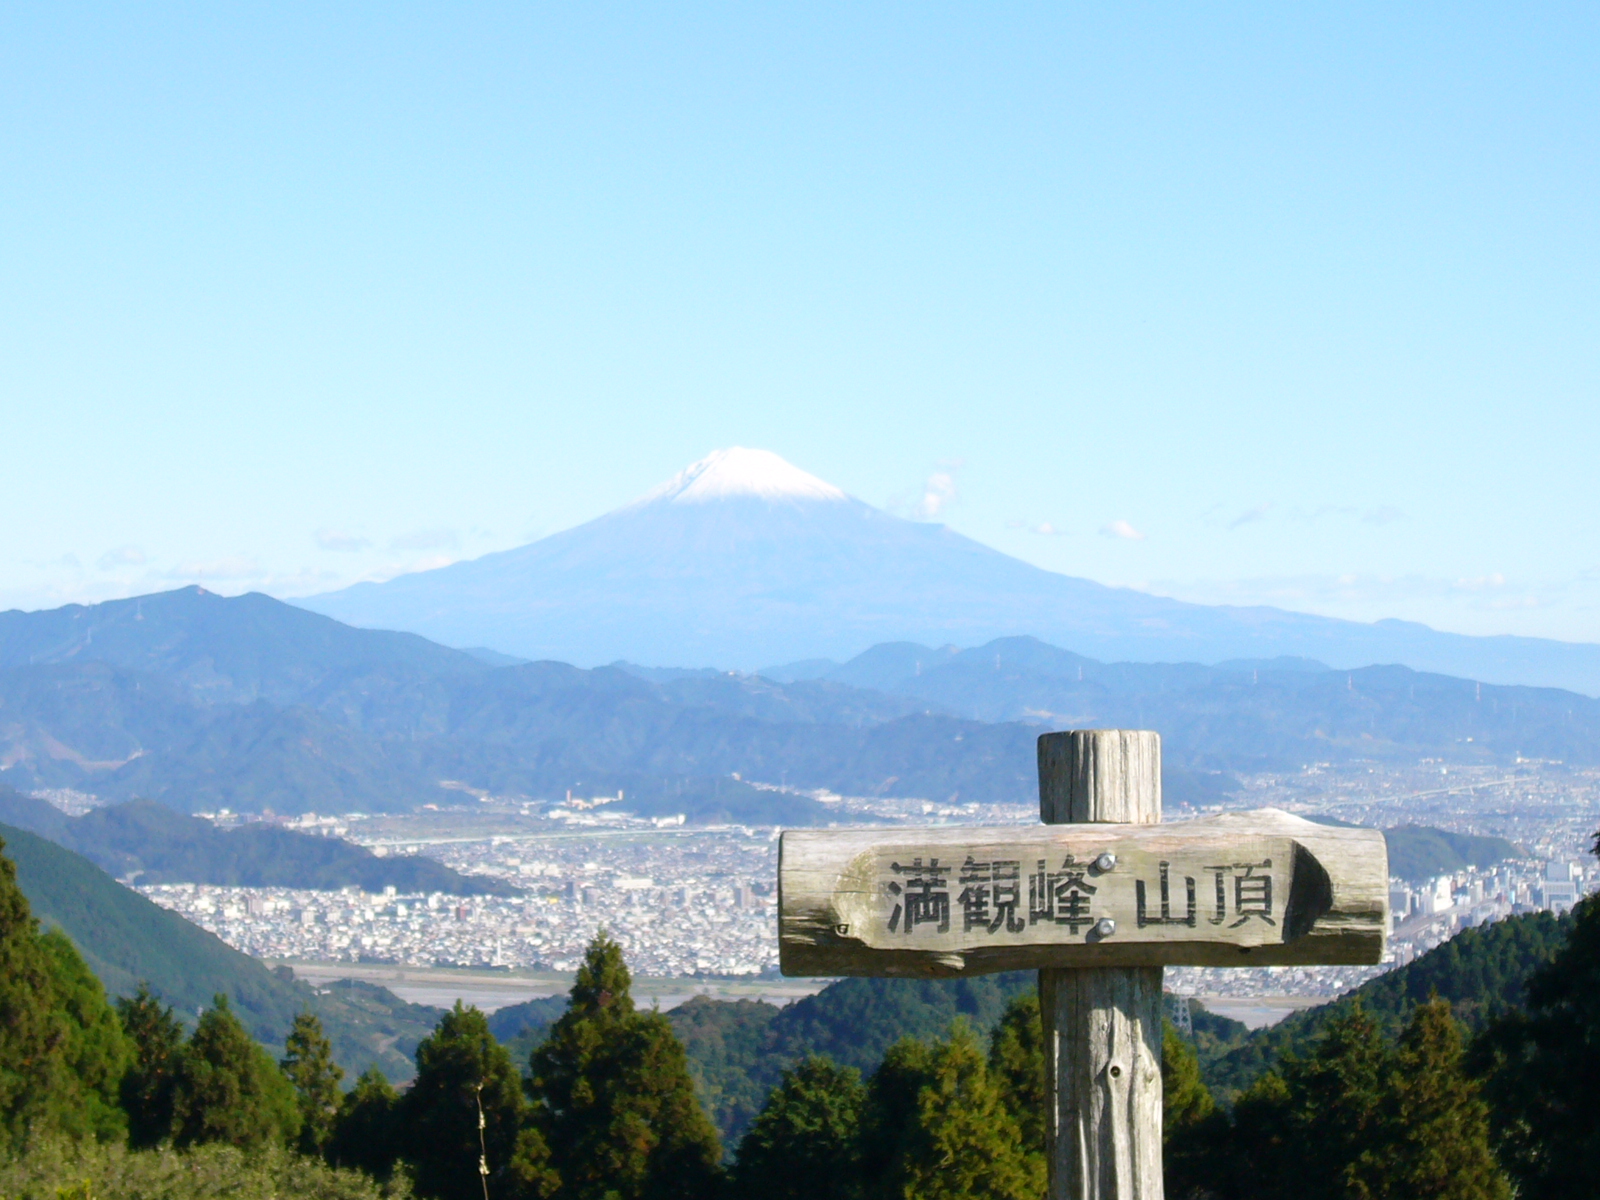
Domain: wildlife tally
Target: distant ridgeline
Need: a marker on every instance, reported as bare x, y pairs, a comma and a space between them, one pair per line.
203, 702
126, 939
151, 843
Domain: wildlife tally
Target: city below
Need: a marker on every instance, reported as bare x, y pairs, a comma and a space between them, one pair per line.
700, 903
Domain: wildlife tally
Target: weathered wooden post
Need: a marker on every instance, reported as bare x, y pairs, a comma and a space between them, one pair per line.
1102, 1025
1099, 899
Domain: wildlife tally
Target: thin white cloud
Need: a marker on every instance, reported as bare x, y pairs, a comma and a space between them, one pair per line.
1121, 529
341, 542
121, 556
1249, 516
1385, 514
938, 493
1049, 530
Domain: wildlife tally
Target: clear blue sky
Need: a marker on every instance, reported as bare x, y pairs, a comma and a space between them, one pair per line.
1305, 296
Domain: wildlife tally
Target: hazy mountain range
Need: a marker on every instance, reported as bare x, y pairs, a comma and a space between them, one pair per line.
744, 559
202, 702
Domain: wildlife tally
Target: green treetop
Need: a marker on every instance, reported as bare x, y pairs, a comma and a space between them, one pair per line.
229, 1090
613, 1098
149, 1082
802, 1145
308, 1062
62, 1051
462, 1071
1363, 1120
95, 1052
937, 1128
1438, 1144
1542, 1067
365, 1135
1016, 1058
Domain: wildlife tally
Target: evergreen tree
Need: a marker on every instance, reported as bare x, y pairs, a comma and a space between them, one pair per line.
802, 1145
1191, 1125
462, 1071
1438, 1143
938, 1128
308, 1062
33, 1032
147, 1086
891, 1110
1185, 1099
1357, 1120
613, 1097
1315, 1129
364, 1133
1541, 1067
229, 1090
1016, 1057
95, 1052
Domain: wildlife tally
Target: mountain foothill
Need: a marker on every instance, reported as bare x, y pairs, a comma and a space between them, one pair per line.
203, 702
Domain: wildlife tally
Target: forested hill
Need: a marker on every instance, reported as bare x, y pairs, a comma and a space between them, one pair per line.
1421, 851
126, 939
738, 1049
152, 843
1482, 972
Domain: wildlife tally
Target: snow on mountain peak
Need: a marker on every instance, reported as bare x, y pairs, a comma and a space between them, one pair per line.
737, 471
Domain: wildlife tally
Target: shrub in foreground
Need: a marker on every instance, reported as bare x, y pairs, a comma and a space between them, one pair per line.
87, 1170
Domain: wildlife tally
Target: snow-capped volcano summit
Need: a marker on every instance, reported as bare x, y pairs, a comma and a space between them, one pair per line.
744, 560
737, 471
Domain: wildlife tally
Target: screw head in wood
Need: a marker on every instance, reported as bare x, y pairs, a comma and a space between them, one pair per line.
1105, 862
1105, 927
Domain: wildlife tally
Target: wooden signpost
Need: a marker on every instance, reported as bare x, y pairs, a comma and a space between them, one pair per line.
1099, 898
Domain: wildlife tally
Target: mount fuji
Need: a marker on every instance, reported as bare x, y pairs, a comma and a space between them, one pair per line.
742, 559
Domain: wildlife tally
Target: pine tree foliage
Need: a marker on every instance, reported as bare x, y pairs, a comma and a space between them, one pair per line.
613, 1099
147, 1086
364, 1134
802, 1145
1438, 1139
938, 1127
95, 1052
1185, 1099
1191, 1124
1016, 1057
33, 1033
1359, 1119
462, 1071
229, 1090
1541, 1068
308, 1062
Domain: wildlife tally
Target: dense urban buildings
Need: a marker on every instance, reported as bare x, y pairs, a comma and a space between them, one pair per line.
689, 901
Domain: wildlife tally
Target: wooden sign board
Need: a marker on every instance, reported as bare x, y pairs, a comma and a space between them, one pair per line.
1263, 888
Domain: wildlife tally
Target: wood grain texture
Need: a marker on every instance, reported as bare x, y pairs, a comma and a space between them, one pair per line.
1327, 903
1102, 1027
1103, 1066
1109, 775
